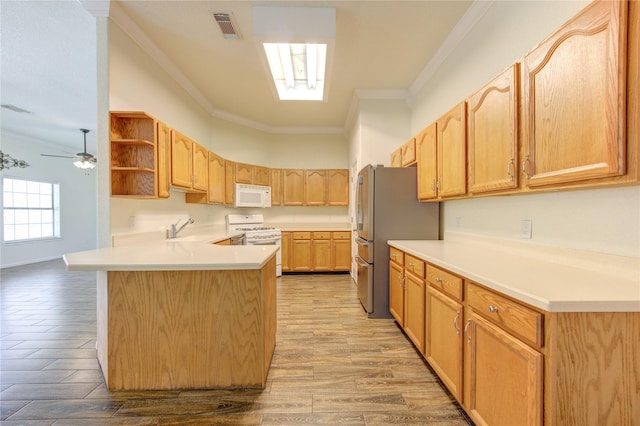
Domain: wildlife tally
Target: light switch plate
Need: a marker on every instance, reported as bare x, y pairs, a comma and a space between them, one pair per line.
525, 229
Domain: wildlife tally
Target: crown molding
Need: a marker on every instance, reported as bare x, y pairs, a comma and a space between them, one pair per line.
97, 8
455, 37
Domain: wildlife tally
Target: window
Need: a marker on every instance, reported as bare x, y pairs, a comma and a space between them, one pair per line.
31, 209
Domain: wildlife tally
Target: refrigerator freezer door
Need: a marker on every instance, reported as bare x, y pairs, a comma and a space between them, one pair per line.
365, 284
364, 203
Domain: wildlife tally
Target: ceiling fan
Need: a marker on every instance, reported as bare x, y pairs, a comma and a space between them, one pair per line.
83, 160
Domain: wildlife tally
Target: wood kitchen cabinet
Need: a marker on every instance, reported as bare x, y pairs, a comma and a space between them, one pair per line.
315, 187
444, 322
244, 173
285, 248
396, 158
408, 153
276, 186
134, 163
317, 251
396, 285
503, 370
230, 180
341, 251
321, 251
441, 156
414, 300
574, 99
492, 134
301, 253
427, 159
452, 155
293, 187
261, 176
189, 163
337, 189
216, 190
164, 159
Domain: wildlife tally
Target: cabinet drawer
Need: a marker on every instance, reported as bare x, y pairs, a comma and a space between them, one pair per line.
396, 255
322, 235
445, 281
301, 235
518, 319
341, 235
415, 265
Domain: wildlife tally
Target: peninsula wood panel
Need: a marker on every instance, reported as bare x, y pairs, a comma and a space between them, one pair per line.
188, 329
592, 368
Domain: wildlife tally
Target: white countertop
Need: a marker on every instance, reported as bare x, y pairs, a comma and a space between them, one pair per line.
549, 278
194, 252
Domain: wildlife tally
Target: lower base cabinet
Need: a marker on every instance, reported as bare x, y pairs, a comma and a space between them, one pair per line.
316, 251
503, 377
508, 363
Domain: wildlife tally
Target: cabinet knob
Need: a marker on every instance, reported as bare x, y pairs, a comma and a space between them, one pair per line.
438, 279
493, 309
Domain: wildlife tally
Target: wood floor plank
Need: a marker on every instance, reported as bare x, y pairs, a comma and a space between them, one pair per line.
332, 365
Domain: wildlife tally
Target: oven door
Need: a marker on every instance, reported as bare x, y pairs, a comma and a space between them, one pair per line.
365, 283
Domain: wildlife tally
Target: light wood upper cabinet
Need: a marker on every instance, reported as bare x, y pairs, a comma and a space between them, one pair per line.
261, 176
164, 160
276, 186
293, 187
181, 160
315, 184
244, 173
230, 180
409, 152
337, 190
396, 158
217, 183
574, 88
427, 158
452, 155
492, 134
133, 155
200, 167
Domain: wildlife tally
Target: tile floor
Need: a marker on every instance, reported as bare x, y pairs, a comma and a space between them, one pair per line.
331, 365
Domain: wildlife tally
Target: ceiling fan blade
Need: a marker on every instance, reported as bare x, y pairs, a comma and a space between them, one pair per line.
59, 156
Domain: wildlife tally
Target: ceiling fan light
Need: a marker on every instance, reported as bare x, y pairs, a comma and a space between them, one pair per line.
84, 164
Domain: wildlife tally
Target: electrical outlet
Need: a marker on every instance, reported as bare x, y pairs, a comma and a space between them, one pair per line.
525, 228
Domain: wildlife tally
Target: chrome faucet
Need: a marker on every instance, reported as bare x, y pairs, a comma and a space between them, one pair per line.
173, 231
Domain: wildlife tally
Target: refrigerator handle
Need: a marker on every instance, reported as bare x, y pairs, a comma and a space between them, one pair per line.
359, 209
360, 262
362, 242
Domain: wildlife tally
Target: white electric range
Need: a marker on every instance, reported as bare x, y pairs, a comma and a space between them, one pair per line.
256, 233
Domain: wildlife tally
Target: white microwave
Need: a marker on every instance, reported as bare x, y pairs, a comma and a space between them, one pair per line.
252, 195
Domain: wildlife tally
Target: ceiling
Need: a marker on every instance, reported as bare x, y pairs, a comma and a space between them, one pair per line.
382, 49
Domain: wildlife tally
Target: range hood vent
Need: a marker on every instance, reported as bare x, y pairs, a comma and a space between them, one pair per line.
227, 25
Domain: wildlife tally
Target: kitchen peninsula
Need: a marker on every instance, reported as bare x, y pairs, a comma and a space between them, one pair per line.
183, 314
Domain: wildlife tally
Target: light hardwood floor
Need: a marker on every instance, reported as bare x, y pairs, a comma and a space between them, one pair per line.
331, 365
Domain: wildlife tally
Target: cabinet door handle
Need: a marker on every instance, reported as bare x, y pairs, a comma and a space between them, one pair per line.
524, 166
509, 171
438, 279
455, 323
433, 185
466, 331
439, 185
493, 309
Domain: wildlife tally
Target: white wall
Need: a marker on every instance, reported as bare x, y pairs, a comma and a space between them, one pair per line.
136, 82
605, 220
77, 201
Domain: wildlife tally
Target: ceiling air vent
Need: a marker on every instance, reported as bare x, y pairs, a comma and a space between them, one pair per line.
227, 25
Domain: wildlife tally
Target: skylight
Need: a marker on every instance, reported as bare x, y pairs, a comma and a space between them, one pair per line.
298, 69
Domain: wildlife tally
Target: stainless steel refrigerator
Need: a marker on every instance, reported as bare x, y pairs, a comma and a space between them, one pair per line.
387, 208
